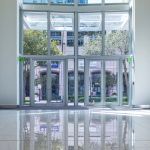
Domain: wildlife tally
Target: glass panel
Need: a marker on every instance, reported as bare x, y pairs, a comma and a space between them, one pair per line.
40, 82
81, 82
116, 1
117, 33
125, 81
35, 33
89, 1
36, 1
111, 73
62, 1
71, 80
95, 82
62, 33
90, 34
26, 81
57, 80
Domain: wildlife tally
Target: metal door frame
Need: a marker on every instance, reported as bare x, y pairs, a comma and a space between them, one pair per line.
103, 81
48, 86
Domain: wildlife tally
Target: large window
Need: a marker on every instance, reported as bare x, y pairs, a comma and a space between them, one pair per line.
63, 23
117, 33
76, 54
90, 34
35, 33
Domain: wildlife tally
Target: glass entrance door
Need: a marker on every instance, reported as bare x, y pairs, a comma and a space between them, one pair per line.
40, 76
102, 82
93, 78
47, 82
111, 82
57, 79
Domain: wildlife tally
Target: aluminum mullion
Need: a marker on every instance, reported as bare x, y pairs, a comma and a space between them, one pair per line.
131, 65
21, 85
86, 82
49, 85
130, 31
130, 90
103, 83
48, 33
120, 84
74, 8
76, 56
22, 92
103, 33
65, 76
114, 57
21, 33
103, 62
65, 101
32, 82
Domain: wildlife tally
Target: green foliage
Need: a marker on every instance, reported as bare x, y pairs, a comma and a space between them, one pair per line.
21, 59
117, 43
129, 59
36, 43
93, 46
54, 49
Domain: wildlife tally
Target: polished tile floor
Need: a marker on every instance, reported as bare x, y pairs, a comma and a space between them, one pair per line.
93, 129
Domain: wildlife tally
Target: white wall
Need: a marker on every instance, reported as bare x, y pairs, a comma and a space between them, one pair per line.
8, 52
142, 52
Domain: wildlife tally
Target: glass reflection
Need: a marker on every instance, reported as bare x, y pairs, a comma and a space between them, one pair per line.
70, 130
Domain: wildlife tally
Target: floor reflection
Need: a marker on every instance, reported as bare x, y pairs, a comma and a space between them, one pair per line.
75, 130
93, 129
